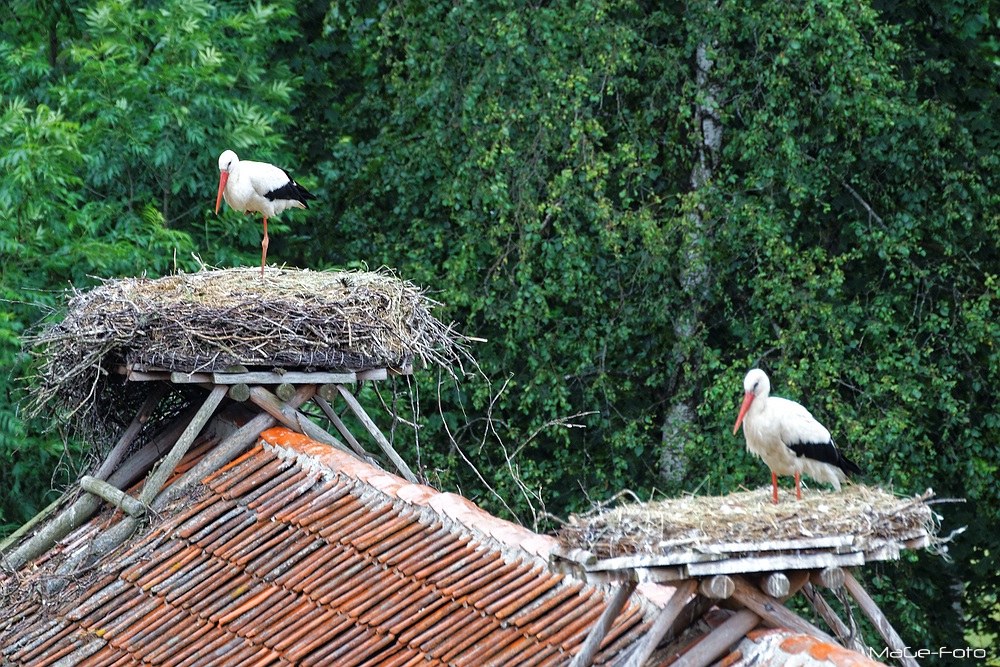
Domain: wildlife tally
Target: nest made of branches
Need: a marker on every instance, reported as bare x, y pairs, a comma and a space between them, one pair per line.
214, 320
871, 515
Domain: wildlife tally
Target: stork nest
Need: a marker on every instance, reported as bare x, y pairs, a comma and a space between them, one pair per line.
871, 515
217, 319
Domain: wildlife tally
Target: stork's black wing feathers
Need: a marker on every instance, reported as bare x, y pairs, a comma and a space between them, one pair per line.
291, 190
825, 452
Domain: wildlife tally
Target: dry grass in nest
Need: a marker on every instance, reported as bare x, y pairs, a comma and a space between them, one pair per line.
216, 319
869, 514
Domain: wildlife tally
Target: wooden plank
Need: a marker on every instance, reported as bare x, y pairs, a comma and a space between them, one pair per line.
289, 377
878, 619
662, 623
773, 612
718, 641
797, 544
772, 563
372, 429
585, 657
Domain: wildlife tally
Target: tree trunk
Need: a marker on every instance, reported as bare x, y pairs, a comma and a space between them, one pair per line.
695, 277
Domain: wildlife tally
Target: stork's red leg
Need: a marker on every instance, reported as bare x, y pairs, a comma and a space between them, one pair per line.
798, 487
774, 485
263, 247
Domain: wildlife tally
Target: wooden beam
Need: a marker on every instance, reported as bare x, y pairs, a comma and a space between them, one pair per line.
718, 587
294, 419
112, 495
775, 584
662, 623
372, 429
773, 612
848, 637
718, 641
125, 441
585, 657
878, 619
263, 377
339, 424
828, 577
169, 462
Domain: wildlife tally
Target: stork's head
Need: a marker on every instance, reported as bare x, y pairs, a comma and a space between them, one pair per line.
755, 385
227, 162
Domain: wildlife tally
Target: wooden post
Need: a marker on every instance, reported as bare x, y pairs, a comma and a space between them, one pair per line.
163, 471
585, 657
674, 606
294, 419
878, 619
285, 391
775, 584
718, 587
773, 611
718, 641
370, 426
338, 423
112, 495
240, 392
847, 637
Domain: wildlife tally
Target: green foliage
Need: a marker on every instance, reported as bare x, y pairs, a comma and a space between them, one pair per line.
111, 122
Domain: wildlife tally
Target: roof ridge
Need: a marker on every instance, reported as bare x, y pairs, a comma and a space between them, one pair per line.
312, 455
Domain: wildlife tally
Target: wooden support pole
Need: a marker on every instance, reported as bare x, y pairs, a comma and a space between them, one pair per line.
773, 611
848, 638
112, 495
370, 426
240, 392
878, 619
717, 587
718, 641
169, 462
294, 419
663, 621
599, 631
339, 424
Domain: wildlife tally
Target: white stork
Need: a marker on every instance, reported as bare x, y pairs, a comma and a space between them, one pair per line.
788, 438
257, 186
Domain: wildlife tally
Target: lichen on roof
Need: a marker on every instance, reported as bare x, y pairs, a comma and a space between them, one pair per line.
216, 319
869, 514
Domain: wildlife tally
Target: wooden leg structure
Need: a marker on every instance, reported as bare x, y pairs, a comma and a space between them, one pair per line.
291, 391
752, 605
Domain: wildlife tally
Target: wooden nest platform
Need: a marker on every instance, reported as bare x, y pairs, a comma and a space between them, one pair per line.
746, 532
748, 556
218, 320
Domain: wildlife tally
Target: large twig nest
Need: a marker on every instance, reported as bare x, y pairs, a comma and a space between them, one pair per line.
869, 514
214, 320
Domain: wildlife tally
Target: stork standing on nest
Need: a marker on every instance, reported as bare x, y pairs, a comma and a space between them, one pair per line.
788, 438
257, 186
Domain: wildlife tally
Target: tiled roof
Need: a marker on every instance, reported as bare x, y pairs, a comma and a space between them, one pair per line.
781, 648
296, 554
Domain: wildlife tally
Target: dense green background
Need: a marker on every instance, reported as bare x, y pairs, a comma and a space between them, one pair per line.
544, 168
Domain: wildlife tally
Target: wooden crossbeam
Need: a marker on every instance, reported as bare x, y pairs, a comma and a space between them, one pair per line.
373, 430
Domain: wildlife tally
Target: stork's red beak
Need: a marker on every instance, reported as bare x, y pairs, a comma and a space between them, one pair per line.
223, 177
747, 400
